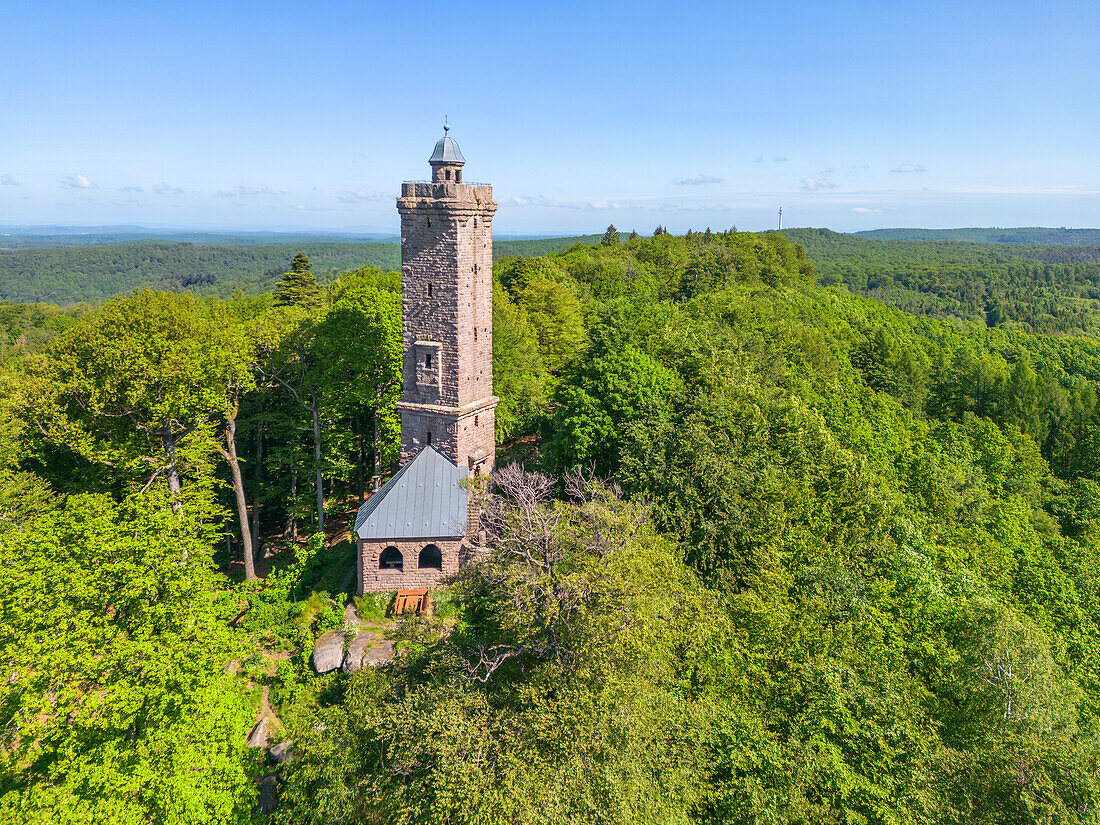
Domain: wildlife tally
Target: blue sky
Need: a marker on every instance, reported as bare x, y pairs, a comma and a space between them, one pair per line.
269, 115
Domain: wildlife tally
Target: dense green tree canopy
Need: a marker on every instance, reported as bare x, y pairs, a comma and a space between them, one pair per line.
841, 566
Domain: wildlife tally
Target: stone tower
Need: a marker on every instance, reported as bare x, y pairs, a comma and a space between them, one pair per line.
447, 313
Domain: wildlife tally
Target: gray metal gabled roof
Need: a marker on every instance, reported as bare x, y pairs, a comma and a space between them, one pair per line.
446, 151
424, 499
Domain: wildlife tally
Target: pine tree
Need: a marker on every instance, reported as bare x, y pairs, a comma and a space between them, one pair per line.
298, 286
611, 236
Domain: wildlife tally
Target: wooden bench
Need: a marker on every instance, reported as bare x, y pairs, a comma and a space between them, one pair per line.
414, 600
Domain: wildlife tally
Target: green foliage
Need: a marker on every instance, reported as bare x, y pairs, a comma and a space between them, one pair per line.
1019, 235
1041, 289
373, 607
118, 706
298, 286
586, 720
68, 274
844, 567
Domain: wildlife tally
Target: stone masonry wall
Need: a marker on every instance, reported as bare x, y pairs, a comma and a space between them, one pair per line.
373, 579
460, 435
447, 297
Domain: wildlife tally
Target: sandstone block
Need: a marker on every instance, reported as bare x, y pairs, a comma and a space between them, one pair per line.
328, 651
353, 659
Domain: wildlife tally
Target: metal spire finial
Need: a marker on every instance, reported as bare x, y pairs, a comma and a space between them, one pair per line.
446, 126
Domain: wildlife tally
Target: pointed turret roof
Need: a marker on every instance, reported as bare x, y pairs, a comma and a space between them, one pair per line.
446, 149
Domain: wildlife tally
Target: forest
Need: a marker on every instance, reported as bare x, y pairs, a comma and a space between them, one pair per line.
763, 549
53, 270
1023, 235
1047, 289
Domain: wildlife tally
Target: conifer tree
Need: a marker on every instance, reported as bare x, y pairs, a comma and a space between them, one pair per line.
298, 286
611, 236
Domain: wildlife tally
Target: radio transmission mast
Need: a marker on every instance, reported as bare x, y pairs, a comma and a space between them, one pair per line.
781, 217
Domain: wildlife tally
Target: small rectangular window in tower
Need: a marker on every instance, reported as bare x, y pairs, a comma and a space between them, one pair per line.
475, 420
428, 358
475, 333
429, 436
429, 290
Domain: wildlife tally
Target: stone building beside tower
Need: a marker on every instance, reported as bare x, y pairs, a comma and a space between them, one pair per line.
418, 528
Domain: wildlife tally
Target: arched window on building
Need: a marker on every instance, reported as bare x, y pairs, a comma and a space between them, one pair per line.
391, 559
431, 558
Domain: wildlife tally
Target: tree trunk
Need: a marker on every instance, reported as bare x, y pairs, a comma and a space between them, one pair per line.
317, 463
358, 456
377, 449
257, 480
291, 524
171, 470
238, 489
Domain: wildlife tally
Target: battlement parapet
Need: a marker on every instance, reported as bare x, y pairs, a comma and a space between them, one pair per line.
446, 191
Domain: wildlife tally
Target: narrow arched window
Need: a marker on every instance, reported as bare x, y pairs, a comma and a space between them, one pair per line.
431, 558
429, 290
391, 559
429, 436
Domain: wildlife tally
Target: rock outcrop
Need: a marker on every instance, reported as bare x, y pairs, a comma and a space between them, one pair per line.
280, 753
328, 651
380, 655
353, 659
259, 736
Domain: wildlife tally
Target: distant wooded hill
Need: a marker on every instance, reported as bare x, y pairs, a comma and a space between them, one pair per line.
66, 275
1021, 234
1042, 288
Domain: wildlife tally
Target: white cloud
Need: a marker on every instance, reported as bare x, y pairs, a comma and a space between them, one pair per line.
78, 182
758, 159
248, 191
779, 159
359, 195
543, 201
863, 210
698, 180
131, 189
909, 167
164, 188
8, 180
816, 184
538, 200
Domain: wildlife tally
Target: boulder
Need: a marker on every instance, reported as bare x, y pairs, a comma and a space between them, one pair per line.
380, 655
280, 753
328, 651
258, 737
353, 659
269, 795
